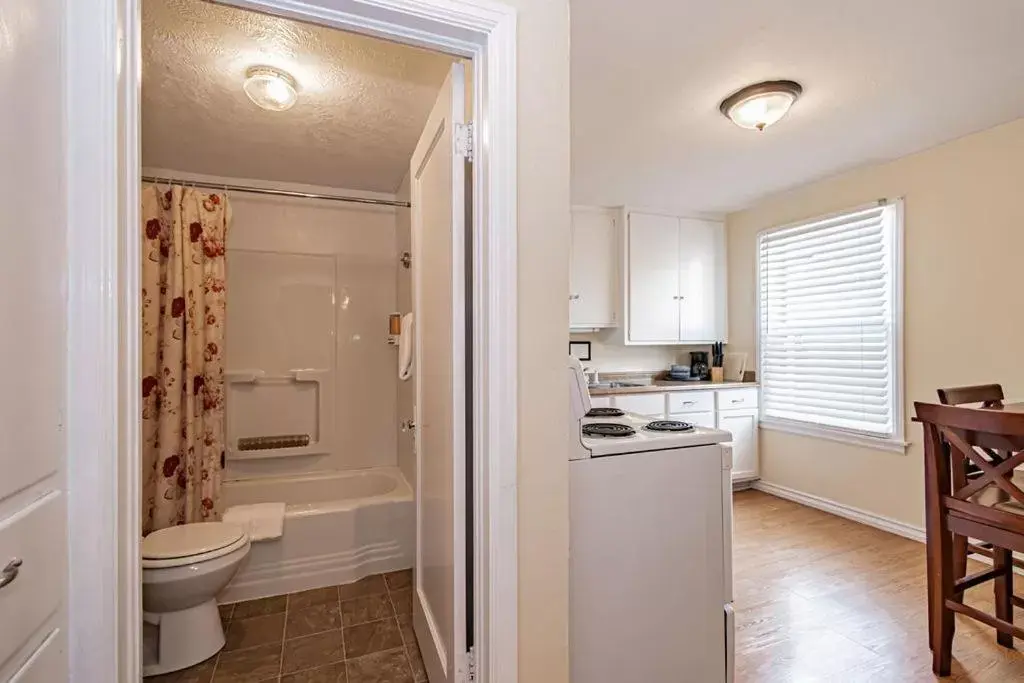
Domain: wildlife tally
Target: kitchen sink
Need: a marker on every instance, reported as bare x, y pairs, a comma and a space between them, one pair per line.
618, 385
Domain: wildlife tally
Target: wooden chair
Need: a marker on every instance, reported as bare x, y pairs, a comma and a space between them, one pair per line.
988, 507
988, 396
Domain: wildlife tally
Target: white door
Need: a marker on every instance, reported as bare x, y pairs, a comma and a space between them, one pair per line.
593, 275
653, 278
742, 424
33, 536
439, 301
702, 281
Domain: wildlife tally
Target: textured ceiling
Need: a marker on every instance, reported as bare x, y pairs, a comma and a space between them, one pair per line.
881, 79
362, 101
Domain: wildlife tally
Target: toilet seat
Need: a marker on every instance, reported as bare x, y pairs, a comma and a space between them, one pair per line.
191, 543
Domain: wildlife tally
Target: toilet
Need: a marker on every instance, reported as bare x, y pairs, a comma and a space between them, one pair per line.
183, 569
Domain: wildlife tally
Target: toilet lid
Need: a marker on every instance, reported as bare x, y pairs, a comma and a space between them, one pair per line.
187, 540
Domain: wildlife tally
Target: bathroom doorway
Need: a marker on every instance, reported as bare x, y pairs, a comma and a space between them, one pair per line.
488, 429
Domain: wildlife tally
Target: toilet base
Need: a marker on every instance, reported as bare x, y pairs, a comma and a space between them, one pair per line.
184, 638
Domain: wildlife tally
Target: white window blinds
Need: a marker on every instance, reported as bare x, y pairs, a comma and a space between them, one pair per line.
828, 337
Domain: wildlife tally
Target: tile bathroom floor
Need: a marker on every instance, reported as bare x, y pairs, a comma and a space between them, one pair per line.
357, 633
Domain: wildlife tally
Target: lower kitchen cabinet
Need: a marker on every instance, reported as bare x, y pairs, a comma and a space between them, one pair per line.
701, 419
742, 424
648, 405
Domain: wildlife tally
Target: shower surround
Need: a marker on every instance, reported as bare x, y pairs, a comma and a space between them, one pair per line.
312, 283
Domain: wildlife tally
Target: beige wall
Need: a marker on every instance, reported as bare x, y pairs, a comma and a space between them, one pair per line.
543, 73
609, 354
964, 238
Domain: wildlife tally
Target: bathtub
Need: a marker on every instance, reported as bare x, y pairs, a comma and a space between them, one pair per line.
338, 527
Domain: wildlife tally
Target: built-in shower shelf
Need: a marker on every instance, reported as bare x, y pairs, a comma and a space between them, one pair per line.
261, 406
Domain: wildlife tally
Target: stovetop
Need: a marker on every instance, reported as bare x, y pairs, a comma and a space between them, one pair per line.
633, 434
669, 426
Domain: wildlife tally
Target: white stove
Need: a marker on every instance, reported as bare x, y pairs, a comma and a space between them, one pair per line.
650, 549
642, 439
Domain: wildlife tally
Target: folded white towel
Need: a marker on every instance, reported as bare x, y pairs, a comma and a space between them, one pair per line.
406, 345
262, 521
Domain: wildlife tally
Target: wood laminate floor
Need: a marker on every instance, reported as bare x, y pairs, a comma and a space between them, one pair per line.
821, 598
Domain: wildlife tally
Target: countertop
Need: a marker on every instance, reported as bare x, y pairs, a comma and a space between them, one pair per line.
660, 385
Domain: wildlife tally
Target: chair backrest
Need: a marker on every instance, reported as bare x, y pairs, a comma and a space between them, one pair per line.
988, 395
965, 431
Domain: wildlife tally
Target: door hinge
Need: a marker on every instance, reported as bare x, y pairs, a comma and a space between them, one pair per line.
471, 665
464, 140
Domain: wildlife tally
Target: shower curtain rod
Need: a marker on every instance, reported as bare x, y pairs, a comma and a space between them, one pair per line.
278, 193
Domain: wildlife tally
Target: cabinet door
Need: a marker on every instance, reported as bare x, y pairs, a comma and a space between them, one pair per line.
593, 275
653, 279
648, 405
742, 424
702, 281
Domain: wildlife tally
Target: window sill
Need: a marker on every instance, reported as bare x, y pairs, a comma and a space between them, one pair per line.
851, 438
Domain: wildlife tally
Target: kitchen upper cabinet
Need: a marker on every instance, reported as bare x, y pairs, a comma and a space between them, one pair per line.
593, 269
653, 279
675, 280
702, 281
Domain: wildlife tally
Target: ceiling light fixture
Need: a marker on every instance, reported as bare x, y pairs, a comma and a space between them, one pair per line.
270, 88
760, 105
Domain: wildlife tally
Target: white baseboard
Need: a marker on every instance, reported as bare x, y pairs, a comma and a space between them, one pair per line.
839, 509
290, 576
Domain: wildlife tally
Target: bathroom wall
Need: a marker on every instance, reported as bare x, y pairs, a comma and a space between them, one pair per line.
406, 390
310, 284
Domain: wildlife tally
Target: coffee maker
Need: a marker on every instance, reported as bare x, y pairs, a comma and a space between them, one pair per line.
699, 365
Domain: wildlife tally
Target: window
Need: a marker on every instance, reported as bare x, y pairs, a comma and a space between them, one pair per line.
830, 317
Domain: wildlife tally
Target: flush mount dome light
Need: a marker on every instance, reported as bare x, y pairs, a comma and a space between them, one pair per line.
270, 88
760, 105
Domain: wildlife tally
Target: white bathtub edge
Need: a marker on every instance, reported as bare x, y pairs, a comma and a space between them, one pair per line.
317, 571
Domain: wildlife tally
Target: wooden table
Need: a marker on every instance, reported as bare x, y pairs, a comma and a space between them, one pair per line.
1009, 408
1001, 443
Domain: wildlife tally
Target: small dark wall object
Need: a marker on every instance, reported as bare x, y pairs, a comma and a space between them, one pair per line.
580, 349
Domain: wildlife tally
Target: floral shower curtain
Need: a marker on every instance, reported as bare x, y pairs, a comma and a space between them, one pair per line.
183, 305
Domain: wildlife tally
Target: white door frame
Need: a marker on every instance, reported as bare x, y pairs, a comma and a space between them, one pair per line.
103, 185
